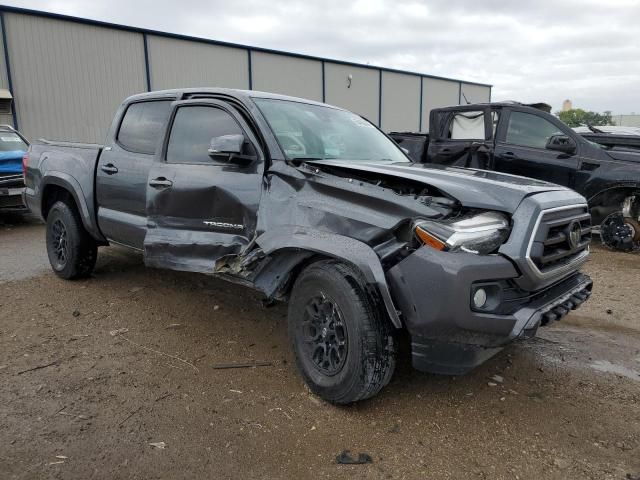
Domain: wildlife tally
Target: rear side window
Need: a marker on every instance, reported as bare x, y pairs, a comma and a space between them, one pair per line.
142, 125
527, 130
467, 126
193, 129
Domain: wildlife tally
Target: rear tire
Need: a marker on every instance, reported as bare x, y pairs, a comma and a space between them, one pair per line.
72, 251
342, 339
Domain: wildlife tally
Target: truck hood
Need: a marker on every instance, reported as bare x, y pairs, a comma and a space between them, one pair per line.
472, 188
625, 155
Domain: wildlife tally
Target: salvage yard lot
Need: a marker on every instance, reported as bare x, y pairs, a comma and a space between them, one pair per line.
114, 377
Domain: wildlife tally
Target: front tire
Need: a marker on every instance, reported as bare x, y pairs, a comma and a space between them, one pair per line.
620, 233
72, 251
342, 339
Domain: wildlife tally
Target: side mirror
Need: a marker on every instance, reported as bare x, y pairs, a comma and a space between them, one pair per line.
229, 148
226, 145
561, 143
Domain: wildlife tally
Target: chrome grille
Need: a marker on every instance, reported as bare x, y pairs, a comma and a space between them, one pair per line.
562, 236
11, 180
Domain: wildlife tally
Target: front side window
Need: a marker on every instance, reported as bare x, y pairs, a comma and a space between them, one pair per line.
193, 129
143, 125
320, 132
528, 130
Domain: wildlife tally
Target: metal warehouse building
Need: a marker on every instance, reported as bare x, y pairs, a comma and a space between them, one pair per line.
68, 75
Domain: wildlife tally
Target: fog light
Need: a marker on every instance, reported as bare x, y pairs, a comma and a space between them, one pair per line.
480, 298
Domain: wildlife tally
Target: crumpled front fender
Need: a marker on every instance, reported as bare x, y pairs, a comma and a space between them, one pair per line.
344, 248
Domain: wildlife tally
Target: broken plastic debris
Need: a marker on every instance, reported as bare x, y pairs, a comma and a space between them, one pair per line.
346, 459
223, 366
119, 331
159, 445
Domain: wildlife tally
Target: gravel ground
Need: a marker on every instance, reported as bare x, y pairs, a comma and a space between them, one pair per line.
113, 377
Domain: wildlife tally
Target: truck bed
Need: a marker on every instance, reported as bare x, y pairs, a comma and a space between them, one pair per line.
70, 165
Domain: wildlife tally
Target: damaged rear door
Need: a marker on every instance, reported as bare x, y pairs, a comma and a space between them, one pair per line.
462, 136
202, 197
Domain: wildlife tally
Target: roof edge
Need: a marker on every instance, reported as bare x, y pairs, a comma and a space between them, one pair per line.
128, 28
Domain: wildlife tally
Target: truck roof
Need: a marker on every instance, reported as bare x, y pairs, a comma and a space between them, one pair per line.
242, 95
505, 103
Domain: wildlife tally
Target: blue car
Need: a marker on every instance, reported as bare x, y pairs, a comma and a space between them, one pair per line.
13, 147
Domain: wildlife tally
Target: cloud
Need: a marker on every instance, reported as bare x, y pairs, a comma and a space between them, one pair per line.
541, 50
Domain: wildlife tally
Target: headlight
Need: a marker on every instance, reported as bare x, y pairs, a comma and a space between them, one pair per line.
481, 234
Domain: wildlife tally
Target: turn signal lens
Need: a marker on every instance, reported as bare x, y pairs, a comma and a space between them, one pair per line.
429, 239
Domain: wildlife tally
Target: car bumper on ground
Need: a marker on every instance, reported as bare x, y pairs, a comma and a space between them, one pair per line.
453, 327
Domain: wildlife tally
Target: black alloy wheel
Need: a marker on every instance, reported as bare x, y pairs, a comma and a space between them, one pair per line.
325, 335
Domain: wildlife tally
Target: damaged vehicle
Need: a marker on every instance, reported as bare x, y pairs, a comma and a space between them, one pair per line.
612, 137
520, 139
313, 205
13, 147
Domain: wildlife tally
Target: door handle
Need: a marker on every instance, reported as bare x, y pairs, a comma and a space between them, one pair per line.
160, 182
509, 155
109, 169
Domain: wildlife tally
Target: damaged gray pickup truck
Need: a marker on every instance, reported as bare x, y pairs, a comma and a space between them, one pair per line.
314, 205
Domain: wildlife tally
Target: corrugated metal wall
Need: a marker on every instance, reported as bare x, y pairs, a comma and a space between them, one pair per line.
360, 94
400, 102
4, 81
177, 63
299, 77
69, 76
470, 93
437, 93
631, 120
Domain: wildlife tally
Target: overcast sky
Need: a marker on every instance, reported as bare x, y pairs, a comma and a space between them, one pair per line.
540, 50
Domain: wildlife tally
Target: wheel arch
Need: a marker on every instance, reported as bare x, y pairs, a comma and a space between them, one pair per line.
294, 248
60, 186
606, 200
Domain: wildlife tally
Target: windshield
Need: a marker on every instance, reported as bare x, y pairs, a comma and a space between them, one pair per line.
320, 133
11, 142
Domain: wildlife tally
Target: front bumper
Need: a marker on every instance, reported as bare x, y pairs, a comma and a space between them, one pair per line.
433, 290
11, 199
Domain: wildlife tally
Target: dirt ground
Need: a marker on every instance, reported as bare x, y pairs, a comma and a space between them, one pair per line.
113, 378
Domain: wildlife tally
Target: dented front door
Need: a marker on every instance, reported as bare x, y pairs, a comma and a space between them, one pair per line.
201, 207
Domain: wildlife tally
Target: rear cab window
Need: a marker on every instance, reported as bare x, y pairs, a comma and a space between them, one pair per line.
467, 126
142, 126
